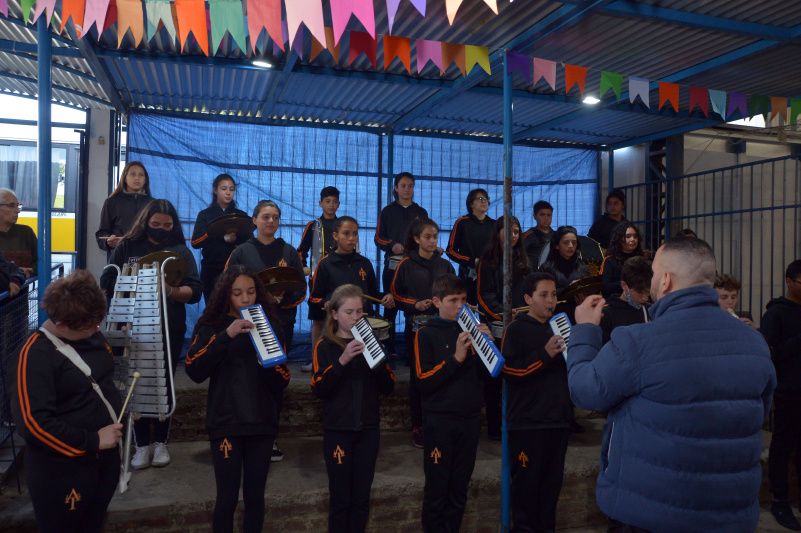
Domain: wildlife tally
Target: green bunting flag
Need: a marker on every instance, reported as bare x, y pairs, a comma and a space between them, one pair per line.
795, 109
611, 80
226, 15
759, 105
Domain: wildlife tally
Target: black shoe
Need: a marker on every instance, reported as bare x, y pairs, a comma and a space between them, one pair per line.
417, 437
277, 455
783, 514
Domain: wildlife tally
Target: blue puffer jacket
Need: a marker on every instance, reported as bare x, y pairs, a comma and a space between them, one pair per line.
686, 396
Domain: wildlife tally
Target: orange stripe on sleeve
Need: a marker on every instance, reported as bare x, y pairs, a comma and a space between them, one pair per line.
392, 289
25, 407
378, 240
451, 250
536, 365
200, 239
192, 358
481, 301
419, 369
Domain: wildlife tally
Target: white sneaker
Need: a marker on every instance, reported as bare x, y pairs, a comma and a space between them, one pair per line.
161, 456
306, 368
141, 458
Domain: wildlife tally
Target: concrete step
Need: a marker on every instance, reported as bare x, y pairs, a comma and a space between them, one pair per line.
180, 497
301, 414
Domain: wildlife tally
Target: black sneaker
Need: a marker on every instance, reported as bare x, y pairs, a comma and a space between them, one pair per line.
417, 437
277, 454
783, 514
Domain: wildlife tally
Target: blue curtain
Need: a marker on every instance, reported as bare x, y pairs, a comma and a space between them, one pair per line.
291, 164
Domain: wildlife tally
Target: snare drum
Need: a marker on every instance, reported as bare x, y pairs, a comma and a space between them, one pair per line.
394, 261
380, 327
420, 320
496, 327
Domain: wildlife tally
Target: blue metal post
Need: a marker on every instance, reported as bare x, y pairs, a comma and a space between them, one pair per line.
44, 147
390, 165
610, 177
507, 281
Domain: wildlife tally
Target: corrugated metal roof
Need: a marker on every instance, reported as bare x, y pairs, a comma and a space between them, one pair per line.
607, 37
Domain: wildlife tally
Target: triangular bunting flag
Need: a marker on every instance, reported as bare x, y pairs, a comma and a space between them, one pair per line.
429, 51
316, 49
329, 43
191, 15
451, 7
4, 8
297, 44
795, 110
613, 81
493, 5
759, 105
520, 64
778, 106
72, 9
392, 9
341, 11
477, 55
95, 14
546, 70
718, 101
361, 42
453, 53
130, 17
26, 6
699, 97
159, 11
265, 14
226, 16
669, 92
42, 6
308, 12
399, 47
640, 88
575, 75
111, 16
737, 102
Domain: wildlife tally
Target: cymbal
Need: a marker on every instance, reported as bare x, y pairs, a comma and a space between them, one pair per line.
281, 279
174, 271
233, 223
585, 286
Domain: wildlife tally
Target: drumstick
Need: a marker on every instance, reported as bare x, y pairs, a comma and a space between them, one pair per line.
128, 398
371, 299
520, 309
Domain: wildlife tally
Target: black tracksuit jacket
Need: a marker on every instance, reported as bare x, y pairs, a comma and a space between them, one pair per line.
781, 326
393, 225
617, 314
337, 269
538, 394
215, 252
306, 240
414, 279
447, 387
489, 287
350, 393
243, 396
118, 214
469, 238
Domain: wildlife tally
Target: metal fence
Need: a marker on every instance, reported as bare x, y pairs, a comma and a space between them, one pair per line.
19, 316
748, 213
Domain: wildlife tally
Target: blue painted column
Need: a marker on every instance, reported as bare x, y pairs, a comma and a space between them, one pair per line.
507, 282
45, 150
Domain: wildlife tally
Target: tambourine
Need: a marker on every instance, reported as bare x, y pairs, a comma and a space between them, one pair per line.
174, 271
584, 287
233, 223
282, 279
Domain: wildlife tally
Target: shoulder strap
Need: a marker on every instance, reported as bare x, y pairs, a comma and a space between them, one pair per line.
70, 353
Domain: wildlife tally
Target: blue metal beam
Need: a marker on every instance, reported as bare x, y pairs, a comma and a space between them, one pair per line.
45, 149
7, 45
98, 69
664, 134
68, 90
54, 36
276, 88
562, 17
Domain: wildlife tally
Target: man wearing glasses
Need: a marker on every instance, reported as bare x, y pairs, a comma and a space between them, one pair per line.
17, 242
781, 326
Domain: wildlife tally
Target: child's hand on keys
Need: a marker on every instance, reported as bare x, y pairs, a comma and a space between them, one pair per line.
353, 349
555, 346
238, 326
463, 345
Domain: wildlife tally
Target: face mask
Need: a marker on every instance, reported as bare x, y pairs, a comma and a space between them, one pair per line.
158, 235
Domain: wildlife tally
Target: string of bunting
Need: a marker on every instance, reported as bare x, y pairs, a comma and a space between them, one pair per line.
728, 105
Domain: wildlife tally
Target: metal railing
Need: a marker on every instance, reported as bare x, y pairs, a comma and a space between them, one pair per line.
748, 213
19, 316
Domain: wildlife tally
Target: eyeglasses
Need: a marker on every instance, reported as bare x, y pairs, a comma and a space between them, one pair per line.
12, 205
481, 199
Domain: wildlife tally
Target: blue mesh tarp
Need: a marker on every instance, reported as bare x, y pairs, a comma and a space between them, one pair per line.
291, 164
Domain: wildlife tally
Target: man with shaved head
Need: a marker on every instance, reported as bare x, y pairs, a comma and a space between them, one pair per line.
17, 242
686, 394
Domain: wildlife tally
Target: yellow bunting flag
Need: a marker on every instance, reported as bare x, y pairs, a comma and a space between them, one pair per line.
477, 55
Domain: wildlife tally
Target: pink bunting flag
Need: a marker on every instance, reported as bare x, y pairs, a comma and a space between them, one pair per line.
265, 14
95, 14
546, 70
429, 51
308, 12
4, 8
44, 6
341, 11
392, 9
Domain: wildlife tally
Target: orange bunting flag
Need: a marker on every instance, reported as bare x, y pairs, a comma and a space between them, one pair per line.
699, 97
265, 14
191, 16
477, 55
454, 53
361, 42
669, 92
778, 106
575, 75
130, 17
72, 9
399, 47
